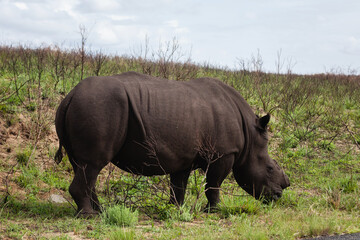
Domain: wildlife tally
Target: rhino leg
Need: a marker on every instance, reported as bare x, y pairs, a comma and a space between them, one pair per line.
94, 199
82, 189
216, 173
178, 186
73, 163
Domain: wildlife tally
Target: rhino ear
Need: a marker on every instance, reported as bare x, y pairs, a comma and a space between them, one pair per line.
263, 121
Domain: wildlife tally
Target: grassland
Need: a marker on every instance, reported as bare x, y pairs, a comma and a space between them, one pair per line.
315, 137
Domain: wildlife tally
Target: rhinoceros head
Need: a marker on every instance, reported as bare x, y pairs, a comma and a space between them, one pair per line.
257, 173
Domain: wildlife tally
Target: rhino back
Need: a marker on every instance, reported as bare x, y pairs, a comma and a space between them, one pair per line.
153, 126
174, 119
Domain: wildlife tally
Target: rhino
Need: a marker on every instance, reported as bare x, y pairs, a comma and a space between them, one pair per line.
150, 126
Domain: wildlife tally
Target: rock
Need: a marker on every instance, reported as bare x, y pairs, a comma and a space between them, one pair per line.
57, 198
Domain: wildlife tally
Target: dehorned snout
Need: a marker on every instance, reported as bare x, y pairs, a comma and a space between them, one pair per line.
286, 182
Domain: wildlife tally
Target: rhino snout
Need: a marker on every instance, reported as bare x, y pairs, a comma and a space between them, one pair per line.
286, 181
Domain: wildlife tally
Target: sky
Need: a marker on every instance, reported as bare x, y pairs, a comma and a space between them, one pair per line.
308, 36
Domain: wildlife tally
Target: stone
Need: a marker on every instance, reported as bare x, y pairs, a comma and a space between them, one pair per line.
57, 198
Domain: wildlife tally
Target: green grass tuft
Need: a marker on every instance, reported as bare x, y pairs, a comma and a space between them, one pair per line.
120, 215
122, 234
23, 157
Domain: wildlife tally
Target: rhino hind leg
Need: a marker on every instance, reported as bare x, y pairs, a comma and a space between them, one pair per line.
95, 201
82, 190
216, 173
178, 182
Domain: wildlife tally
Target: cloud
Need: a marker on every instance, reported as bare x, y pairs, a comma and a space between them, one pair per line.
352, 46
316, 33
21, 5
172, 23
175, 27
34, 22
94, 6
122, 18
106, 35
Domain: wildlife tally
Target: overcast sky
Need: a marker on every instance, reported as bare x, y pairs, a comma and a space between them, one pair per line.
313, 35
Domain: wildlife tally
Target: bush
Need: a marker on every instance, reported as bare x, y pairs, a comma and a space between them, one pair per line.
239, 206
23, 157
120, 215
183, 214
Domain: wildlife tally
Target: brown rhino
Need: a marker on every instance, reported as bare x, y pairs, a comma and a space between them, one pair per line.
152, 126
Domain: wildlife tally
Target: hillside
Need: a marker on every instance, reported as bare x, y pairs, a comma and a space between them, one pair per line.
315, 137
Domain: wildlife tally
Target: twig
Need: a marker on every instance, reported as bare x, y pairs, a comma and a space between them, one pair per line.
7, 180
67, 200
352, 135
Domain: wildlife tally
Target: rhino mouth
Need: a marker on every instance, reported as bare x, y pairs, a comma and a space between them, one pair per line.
277, 195
272, 194
267, 199
265, 196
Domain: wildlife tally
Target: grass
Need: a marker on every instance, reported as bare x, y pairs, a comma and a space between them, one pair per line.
23, 157
120, 216
122, 234
314, 133
283, 220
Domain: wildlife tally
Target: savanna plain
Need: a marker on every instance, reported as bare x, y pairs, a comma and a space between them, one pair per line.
314, 135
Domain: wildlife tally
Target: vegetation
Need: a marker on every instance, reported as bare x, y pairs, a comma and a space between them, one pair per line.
315, 137
120, 216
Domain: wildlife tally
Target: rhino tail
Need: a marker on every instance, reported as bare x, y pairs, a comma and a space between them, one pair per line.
58, 155
61, 128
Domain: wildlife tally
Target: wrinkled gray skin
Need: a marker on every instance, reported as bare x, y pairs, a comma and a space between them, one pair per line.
152, 126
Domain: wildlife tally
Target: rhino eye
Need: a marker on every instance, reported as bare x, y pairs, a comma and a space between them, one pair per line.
270, 169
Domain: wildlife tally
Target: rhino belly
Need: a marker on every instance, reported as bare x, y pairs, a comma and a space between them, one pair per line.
143, 158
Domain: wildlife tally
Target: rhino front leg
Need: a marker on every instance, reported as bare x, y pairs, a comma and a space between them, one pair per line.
178, 182
216, 173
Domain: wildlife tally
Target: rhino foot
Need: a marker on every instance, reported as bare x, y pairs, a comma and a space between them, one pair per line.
87, 214
211, 209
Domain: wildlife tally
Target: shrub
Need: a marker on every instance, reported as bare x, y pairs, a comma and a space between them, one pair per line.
239, 206
23, 157
120, 215
183, 214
